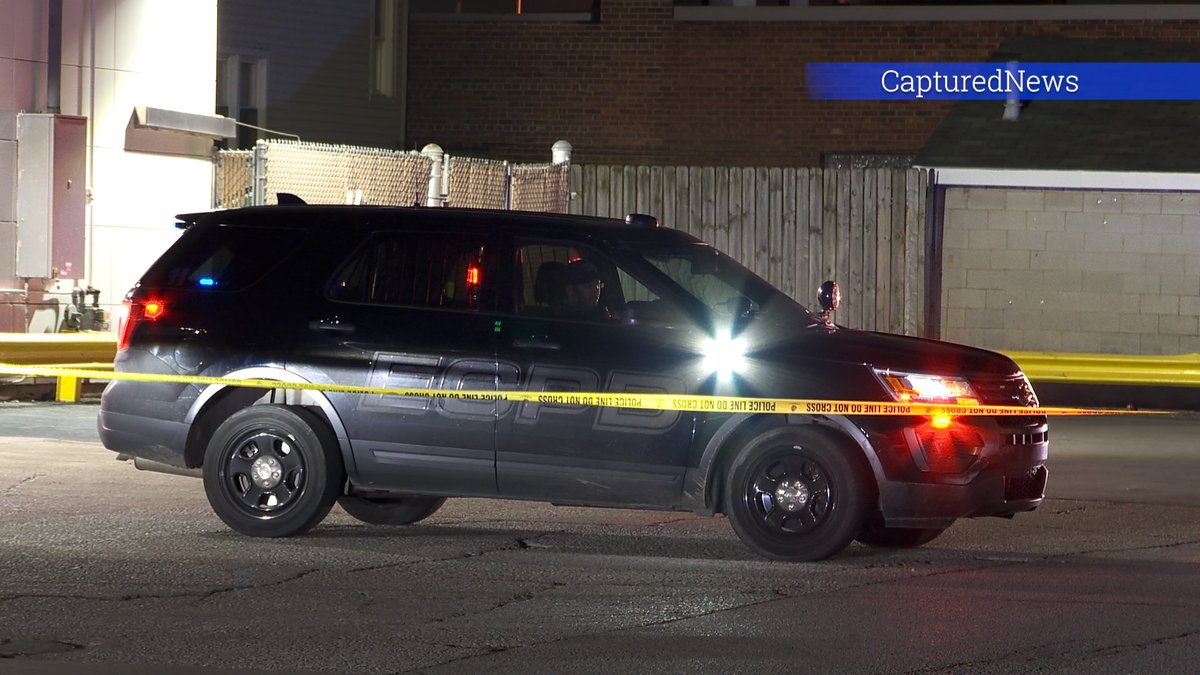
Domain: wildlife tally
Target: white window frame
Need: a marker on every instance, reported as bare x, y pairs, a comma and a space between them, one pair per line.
231, 90
384, 33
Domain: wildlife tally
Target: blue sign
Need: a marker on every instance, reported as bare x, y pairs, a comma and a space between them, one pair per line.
1004, 81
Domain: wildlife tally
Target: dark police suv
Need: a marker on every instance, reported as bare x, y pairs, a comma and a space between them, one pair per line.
466, 300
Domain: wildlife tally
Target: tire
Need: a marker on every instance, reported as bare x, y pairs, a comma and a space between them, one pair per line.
875, 533
796, 494
298, 466
393, 511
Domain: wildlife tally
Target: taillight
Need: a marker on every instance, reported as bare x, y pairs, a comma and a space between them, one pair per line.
131, 313
124, 325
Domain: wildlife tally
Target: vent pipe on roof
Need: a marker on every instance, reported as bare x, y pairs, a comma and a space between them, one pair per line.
1012, 105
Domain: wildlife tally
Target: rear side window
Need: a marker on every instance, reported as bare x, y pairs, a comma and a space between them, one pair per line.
225, 257
418, 270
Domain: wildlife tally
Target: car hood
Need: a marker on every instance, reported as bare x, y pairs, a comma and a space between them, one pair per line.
893, 352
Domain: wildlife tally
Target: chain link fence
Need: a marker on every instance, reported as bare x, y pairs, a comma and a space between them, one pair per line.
341, 174
541, 188
477, 183
233, 184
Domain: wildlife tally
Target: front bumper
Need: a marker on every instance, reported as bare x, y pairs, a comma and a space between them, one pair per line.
991, 493
1006, 476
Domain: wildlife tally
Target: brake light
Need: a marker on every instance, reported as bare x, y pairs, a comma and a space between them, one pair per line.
152, 310
132, 312
473, 275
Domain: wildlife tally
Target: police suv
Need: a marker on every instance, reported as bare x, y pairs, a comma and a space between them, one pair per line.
359, 312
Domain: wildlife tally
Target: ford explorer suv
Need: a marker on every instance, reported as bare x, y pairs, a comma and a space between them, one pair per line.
397, 302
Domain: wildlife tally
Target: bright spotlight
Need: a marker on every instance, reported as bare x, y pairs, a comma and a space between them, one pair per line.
724, 355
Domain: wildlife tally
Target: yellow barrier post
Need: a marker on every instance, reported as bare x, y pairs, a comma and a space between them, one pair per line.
68, 389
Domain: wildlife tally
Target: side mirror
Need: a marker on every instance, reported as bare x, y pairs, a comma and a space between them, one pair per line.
829, 296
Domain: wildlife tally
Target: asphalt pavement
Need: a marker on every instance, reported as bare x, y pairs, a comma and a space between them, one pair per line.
64, 421
105, 569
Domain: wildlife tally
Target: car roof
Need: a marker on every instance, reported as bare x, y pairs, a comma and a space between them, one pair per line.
461, 219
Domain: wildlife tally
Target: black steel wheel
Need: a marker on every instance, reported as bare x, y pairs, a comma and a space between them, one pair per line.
390, 510
272, 471
796, 494
875, 533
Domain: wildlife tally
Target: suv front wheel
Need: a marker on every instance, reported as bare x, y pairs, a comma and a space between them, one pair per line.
795, 494
272, 471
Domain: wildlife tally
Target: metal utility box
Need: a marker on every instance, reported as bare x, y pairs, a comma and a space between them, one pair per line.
51, 197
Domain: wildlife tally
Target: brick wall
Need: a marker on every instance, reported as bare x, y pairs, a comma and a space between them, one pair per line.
1072, 270
640, 87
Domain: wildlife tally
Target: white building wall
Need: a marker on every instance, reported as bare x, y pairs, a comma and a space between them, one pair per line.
158, 53
1072, 270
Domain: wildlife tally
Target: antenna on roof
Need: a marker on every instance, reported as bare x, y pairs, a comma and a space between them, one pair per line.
288, 198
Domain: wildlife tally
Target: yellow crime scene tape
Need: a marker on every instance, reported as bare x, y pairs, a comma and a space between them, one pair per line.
641, 401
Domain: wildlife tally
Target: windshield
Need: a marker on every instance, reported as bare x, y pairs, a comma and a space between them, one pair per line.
725, 288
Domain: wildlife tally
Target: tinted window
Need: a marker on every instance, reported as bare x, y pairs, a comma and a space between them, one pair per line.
224, 258
415, 270
720, 284
573, 282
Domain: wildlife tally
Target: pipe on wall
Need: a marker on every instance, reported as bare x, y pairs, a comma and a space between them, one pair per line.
54, 59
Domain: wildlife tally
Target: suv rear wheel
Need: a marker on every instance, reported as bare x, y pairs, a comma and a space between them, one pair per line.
390, 511
794, 493
272, 471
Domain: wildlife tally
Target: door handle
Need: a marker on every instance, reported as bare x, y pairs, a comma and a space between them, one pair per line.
332, 324
536, 344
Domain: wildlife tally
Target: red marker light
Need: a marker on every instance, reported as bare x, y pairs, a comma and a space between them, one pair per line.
473, 275
948, 445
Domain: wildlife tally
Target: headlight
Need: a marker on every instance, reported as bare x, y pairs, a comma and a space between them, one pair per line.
926, 388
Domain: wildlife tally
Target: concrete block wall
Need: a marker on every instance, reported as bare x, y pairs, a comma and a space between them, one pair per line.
1072, 270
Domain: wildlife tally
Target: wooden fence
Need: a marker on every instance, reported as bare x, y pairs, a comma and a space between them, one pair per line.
795, 227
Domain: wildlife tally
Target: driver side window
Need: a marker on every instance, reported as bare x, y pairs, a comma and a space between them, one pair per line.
568, 281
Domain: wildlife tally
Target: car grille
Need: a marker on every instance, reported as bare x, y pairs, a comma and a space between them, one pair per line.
1005, 391
1032, 438
1028, 485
